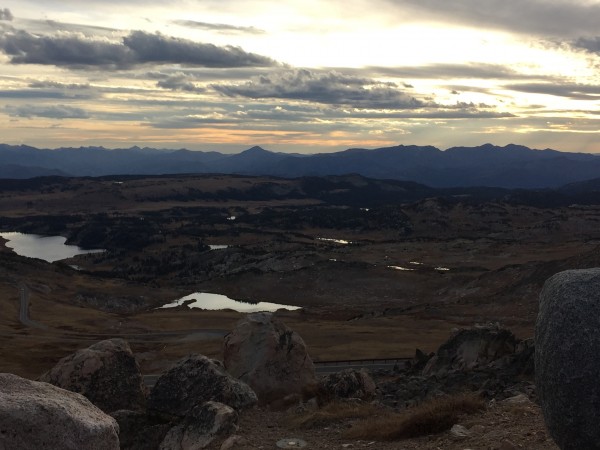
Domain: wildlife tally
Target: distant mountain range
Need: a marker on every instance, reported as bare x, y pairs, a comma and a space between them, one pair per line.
512, 166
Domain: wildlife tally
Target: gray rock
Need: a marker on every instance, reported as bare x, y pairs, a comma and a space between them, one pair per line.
106, 373
194, 380
40, 416
201, 427
348, 383
471, 348
270, 357
567, 343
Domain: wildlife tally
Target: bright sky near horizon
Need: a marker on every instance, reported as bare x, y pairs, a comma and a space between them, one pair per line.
300, 75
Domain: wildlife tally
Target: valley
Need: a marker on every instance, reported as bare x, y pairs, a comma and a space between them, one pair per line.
377, 267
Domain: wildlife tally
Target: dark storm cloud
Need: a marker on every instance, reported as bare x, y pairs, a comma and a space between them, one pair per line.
137, 48
219, 27
179, 82
573, 91
330, 87
48, 111
566, 18
5, 14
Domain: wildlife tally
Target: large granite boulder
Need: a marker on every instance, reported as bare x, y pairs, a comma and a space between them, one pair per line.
348, 383
106, 373
270, 357
567, 366
203, 425
40, 416
194, 380
471, 348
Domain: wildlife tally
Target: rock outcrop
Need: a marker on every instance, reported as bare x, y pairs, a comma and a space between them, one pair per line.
40, 416
106, 373
201, 427
348, 384
194, 380
270, 357
503, 369
567, 341
471, 348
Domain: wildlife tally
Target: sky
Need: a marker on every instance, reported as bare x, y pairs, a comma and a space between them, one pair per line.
303, 76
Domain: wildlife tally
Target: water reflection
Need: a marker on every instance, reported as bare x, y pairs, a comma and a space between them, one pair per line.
205, 300
48, 248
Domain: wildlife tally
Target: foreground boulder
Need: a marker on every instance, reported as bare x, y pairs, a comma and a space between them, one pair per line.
270, 357
106, 373
40, 416
201, 427
567, 342
348, 383
470, 348
194, 380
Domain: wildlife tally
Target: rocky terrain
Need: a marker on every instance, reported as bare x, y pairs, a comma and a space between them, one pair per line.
199, 403
378, 269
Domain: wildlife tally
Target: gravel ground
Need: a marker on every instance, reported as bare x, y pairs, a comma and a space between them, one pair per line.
500, 427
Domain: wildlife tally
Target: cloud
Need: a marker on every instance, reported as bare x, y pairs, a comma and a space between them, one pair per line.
542, 17
157, 48
569, 90
179, 82
330, 87
589, 44
137, 48
51, 111
46, 84
40, 93
447, 71
219, 27
5, 14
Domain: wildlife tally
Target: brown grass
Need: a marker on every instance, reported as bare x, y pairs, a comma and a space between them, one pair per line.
431, 417
333, 412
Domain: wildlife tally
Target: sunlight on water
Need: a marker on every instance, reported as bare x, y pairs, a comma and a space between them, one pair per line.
337, 241
48, 248
401, 268
205, 300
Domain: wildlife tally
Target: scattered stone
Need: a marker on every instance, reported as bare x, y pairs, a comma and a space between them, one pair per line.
348, 383
519, 399
459, 432
270, 357
567, 345
291, 443
234, 441
139, 431
201, 427
194, 380
106, 373
507, 445
40, 416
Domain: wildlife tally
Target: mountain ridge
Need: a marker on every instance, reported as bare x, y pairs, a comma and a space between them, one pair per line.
511, 166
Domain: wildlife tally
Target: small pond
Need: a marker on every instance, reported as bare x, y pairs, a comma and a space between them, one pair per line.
205, 300
48, 248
